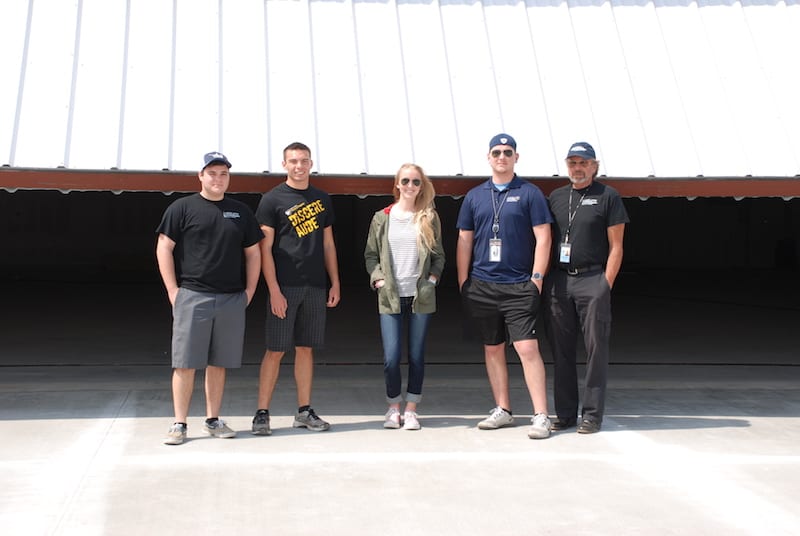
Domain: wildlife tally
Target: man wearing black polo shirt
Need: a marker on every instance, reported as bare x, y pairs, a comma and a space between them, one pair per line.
502, 252
587, 244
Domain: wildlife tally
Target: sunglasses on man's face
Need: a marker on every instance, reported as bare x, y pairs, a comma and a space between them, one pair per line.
415, 182
507, 152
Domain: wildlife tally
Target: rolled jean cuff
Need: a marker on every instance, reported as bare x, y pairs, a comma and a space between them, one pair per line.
394, 399
411, 397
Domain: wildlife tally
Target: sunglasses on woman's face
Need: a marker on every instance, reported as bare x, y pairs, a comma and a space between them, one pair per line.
415, 182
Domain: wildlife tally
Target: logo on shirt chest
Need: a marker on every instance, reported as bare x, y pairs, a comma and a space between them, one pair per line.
303, 217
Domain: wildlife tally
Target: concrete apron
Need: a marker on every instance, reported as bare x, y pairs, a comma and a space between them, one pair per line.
683, 450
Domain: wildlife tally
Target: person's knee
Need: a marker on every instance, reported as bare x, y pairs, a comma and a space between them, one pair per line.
495, 352
273, 356
303, 352
528, 350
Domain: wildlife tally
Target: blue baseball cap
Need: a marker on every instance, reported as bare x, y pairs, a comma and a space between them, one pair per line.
503, 139
582, 149
215, 158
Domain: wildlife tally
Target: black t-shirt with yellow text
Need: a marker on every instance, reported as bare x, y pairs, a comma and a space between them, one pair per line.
299, 218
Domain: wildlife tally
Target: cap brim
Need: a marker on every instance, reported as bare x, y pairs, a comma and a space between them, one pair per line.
224, 162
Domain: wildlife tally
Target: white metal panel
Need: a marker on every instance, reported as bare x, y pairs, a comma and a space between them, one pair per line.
620, 138
564, 89
660, 87
147, 92
774, 29
43, 130
196, 109
94, 136
430, 102
290, 82
14, 14
245, 121
337, 88
387, 125
665, 129
743, 85
709, 108
521, 108
476, 103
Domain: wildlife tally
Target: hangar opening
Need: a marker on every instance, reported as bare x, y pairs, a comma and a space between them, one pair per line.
704, 281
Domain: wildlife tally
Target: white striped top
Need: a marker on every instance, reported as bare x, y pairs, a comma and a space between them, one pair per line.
405, 256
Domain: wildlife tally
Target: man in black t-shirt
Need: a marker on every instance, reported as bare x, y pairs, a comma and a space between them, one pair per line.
298, 257
587, 254
209, 259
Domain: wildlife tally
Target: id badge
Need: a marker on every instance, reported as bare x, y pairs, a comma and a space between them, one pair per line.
495, 248
565, 249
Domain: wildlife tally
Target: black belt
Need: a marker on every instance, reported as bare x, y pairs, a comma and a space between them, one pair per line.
581, 270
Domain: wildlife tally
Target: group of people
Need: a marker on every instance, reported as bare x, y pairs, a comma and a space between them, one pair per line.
520, 257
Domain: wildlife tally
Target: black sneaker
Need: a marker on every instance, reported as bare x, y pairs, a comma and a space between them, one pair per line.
308, 419
261, 424
560, 424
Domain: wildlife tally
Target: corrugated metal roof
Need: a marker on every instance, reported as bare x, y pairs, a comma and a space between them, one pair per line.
662, 88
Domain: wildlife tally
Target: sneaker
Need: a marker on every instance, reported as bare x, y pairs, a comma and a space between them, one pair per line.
410, 421
560, 424
176, 434
309, 419
261, 424
392, 419
497, 419
218, 428
540, 426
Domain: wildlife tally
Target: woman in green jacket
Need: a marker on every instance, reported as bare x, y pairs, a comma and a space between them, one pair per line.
405, 259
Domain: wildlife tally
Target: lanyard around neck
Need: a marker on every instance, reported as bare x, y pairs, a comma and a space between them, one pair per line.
571, 213
496, 208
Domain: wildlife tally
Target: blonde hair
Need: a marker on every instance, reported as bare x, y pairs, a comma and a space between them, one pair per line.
423, 205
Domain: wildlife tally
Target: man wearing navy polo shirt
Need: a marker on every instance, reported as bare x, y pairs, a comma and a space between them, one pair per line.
501, 256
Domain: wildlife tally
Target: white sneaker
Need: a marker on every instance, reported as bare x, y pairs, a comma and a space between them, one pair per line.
540, 426
497, 419
410, 421
392, 419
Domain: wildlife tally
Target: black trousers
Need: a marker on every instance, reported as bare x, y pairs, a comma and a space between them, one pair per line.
573, 302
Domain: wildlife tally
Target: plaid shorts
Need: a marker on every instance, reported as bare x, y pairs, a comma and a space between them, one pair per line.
304, 324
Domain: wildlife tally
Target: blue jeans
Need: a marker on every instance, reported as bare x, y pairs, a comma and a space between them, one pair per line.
392, 335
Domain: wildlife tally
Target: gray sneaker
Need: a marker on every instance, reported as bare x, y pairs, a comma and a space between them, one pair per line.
219, 429
176, 434
308, 419
261, 424
540, 426
497, 419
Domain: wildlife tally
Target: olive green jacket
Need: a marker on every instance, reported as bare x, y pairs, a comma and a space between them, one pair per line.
378, 258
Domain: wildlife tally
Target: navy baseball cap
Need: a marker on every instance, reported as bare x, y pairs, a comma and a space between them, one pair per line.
582, 149
215, 158
503, 139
